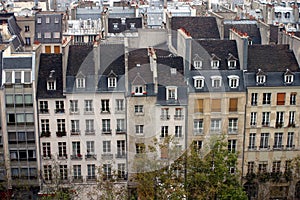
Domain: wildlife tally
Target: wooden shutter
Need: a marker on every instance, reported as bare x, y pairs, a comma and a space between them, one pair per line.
233, 104
47, 49
216, 105
56, 49
280, 98
199, 105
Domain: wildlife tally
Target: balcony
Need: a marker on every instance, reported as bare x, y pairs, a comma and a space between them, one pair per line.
74, 111
62, 157
91, 157
44, 111
121, 155
277, 147
59, 110
165, 117
120, 131
107, 156
61, 133
290, 147
76, 157
265, 124
232, 130
77, 179
279, 124
105, 111
119, 110
198, 131
45, 134
89, 132
291, 125
178, 117
265, 147
91, 178
106, 131
75, 132
252, 148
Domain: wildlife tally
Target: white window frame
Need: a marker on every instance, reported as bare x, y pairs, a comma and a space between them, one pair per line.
39, 20
199, 82
264, 140
198, 126
90, 147
253, 118
265, 119
252, 137
51, 85
290, 140
198, 64
292, 115
47, 35
89, 125
215, 64
74, 106
88, 105
288, 78
139, 129
215, 125
106, 146
234, 81
112, 82
171, 92
216, 81
232, 125
231, 64
278, 138
75, 126
80, 82
260, 79
47, 20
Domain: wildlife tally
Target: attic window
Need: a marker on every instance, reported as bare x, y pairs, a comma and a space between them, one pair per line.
123, 20
80, 82
171, 93
138, 90
231, 61
115, 26
233, 81
288, 78
198, 82
56, 20
39, 20
173, 71
47, 20
112, 82
198, 64
132, 25
215, 62
51, 85
216, 81
260, 79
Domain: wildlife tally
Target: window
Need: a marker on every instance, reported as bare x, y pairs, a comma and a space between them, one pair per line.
75, 127
105, 105
260, 79
198, 82
293, 98
45, 126
89, 126
106, 146
47, 35
278, 14
28, 99
76, 150
279, 119
262, 167
120, 105
290, 140
107, 171
8, 77
26, 28
46, 150
17, 77
39, 35
278, 141
120, 125
197, 64
121, 171
140, 148
266, 98
59, 107
121, 148
74, 106
215, 64
47, 172
88, 106
232, 146
91, 171
199, 105
287, 15
47, 20
63, 172
115, 26
56, 35
90, 147
164, 131
27, 76
62, 149
264, 141
252, 141
51, 85
80, 82
216, 105
198, 126
178, 114
216, 81
265, 119
253, 118
139, 129
27, 41
197, 144
233, 125
280, 98
39, 20
276, 167
112, 82
233, 104
61, 126
138, 90
215, 125
44, 107
138, 108
178, 131
9, 99
106, 126
231, 64
56, 20
132, 25
171, 93
77, 172
233, 81
164, 114
288, 79
250, 167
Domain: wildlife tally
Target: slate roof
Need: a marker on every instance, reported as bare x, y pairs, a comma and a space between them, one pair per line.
124, 27
198, 27
17, 62
271, 58
49, 62
250, 28
273, 33
222, 49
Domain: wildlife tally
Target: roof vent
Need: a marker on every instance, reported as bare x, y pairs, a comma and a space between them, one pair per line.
173, 71
51, 73
138, 65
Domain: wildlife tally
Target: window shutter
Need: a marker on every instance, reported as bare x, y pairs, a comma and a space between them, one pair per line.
280, 98
216, 105
233, 104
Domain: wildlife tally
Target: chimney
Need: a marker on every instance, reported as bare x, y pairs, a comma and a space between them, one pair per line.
153, 67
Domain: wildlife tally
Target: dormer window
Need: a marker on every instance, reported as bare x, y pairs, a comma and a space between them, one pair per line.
115, 26
112, 80
197, 62
233, 81
123, 20
216, 81
171, 93
260, 77
231, 61
198, 82
132, 25
139, 90
80, 82
51, 85
288, 77
215, 61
